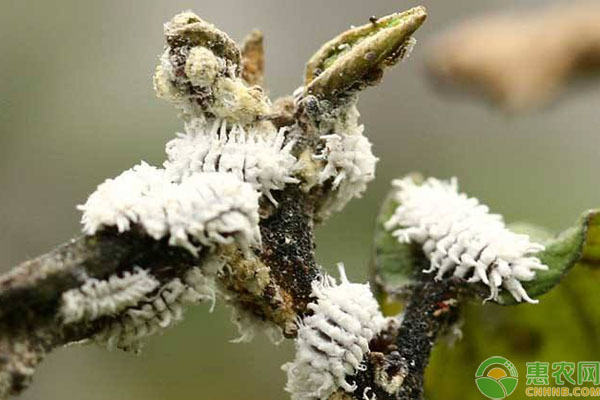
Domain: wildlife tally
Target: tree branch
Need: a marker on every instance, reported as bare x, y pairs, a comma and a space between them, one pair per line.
271, 282
30, 294
399, 355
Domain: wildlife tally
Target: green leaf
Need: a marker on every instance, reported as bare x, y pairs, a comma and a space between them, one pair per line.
578, 244
565, 325
590, 255
394, 263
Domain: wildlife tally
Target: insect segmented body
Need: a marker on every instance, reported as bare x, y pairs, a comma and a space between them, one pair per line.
213, 208
153, 314
351, 164
333, 341
460, 236
97, 298
210, 208
124, 200
257, 156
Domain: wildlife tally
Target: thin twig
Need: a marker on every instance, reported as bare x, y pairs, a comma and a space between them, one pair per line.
30, 294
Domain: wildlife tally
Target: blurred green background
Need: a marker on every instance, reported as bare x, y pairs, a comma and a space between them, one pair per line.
77, 106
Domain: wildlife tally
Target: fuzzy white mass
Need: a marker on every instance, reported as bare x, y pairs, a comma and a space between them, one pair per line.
351, 165
257, 156
461, 237
209, 208
333, 341
157, 312
97, 298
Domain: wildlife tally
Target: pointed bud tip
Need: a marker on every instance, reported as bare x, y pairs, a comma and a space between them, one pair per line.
413, 18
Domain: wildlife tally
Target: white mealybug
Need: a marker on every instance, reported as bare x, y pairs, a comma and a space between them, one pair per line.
351, 163
152, 315
333, 341
214, 208
459, 235
210, 208
97, 298
125, 200
257, 156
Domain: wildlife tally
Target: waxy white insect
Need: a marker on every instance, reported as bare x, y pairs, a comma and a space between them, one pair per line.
258, 156
333, 341
203, 209
461, 237
97, 298
155, 313
351, 164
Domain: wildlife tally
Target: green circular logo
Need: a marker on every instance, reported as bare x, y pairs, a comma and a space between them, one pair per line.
496, 378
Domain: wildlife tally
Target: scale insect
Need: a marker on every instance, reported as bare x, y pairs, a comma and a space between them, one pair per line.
350, 163
460, 237
97, 298
204, 209
155, 313
258, 155
333, 341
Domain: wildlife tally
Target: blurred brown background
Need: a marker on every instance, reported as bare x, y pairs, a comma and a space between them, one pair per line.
77, 106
